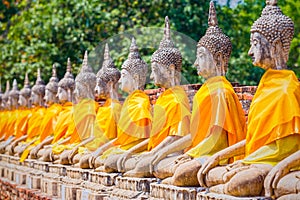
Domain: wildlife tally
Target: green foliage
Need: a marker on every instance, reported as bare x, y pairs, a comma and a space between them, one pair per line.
36, 34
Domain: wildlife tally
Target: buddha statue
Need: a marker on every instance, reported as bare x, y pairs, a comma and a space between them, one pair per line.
84, 129
108, 114
217, 119
134, 124
272, 135
65, 90
34, 123
24, 114
168, 126
50, 119
6, 111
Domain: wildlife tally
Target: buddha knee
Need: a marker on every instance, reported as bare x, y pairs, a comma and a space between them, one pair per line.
186, 174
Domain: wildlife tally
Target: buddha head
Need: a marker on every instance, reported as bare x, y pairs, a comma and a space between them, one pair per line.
5, 97
107, 78
85, 81
134, 70
25, 94
38, 91
271, 37
213, 49
66, 85
14, 96
51, 88
166, 61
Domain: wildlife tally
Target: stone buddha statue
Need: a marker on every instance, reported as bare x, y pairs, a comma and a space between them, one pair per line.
217, 119
84, 129
34, 122
65, 90
167, 126
134, 124
107, 115
49, 121
23, 116
5, 123
272, 134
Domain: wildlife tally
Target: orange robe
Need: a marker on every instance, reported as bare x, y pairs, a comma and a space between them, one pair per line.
274, 118
10, 129
22, 122
216, 105
135, 120
63, 121
171, 116
49, 121
34, 123
4, 121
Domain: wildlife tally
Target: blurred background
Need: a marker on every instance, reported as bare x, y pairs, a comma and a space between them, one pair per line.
39, 33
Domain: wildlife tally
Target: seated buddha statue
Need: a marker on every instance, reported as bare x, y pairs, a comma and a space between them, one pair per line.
134, 124
171, 112
272, 134
60, 133
38, 113
50, 119
217, 119
5, 106
84, 128
108, 114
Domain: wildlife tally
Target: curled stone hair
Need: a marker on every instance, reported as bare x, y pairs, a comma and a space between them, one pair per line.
14, 93
6, 93
86, 75
108, 72
52, 86
39, 87
274, 25
135, 64
26, 91
67, 82
167, 54
214, 39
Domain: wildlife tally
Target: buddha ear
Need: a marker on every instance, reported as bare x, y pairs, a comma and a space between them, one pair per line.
136, 80
172, 69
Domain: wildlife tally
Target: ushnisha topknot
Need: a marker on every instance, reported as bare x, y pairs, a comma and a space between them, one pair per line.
274, 25
39, 87
14, 93
167, 53
52, 86
135, 64
26, 91
86, 75
108, 72
67, 82
214, 39
6, 93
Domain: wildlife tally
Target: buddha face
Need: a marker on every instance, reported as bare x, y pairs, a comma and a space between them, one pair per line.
62, 94
161, 75
14, 102
205, 64
22, 101
100, 89
127, 81
80, 91
50, 97
35, 98
260, 51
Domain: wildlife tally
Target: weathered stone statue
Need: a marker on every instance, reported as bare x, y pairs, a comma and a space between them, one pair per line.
49, 121
5, 121
168, 126
217, 118
84, 114
272, 134
134, 124
108, 114
38, 112
65, 95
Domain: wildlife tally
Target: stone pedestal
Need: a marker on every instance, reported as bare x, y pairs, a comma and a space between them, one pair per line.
214, 196
163, 191
69, 188
106, 179
51, 184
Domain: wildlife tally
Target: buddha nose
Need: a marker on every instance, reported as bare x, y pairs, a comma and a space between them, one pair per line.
151, 75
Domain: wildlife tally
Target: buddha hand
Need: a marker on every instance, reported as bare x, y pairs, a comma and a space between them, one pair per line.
210, 163
121, 161
72, 154
92, 160
273, 177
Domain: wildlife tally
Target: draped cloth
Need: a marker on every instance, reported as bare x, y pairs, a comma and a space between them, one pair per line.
34, 123
135, 120
171, 116
49, 121
22, 122
274, 117
216, 106
10, 129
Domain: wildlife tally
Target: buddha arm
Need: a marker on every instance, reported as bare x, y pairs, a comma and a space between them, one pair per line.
86, 141
104, 147
139, 147
64, 140
167, 141
46, 141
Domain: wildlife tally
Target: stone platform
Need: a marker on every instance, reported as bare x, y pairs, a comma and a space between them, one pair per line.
33, 179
